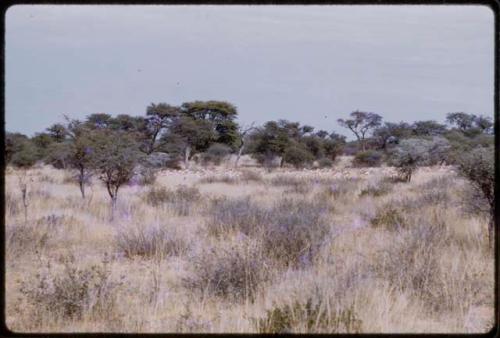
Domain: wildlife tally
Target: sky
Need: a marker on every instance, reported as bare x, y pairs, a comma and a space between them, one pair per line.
312, 64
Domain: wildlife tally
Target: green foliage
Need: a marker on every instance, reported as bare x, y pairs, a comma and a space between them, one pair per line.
298, 156
21, 152
361, 124
412, 153
428, 128
368, 158
114, 156
478, 166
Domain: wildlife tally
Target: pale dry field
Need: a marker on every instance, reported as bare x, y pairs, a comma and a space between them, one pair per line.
331, 250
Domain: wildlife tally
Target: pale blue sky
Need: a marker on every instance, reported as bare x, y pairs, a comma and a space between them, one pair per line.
312, 64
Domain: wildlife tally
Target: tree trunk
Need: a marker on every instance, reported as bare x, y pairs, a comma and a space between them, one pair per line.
113, 207
240, 151
187, 153
81, 182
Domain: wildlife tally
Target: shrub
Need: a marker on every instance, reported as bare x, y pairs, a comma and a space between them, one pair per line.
250, 175
296, 231
412, 264
412, 153
22, 239
143, 176
179, 200
298, 156
229, 215
325, 163
234, 272
219, 179
216, 153
376, 190
157, 196
308, 317
340, 187
368, 158
72, 292
148, 242
389, 217
478, 167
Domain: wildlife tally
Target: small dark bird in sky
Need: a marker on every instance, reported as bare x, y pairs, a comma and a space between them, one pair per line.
178, 83
326, 117
139, 70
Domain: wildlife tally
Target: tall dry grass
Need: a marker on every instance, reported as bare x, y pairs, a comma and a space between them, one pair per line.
326, 251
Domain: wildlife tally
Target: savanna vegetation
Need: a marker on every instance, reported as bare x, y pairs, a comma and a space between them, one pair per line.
182, 220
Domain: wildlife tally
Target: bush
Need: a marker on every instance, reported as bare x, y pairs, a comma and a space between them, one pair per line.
296, 231
412, 264
308, 317
143, 176
298, 156
389, 217
478, 167
340, 187
229, 215
325, 163
179, 200
413, 153
382, 188
72, 292
368, 158
250, 175
22, 239
216, 153
234, 272
148, 242
219, 179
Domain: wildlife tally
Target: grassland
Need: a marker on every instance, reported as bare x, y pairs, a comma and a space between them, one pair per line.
222, 250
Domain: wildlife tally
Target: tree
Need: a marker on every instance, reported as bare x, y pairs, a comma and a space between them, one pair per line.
189, 136
57, 132
271, 140
160, 117
221, 116
361, 123
25, 154
391, 133
414, 152
478, 166
114, 156
484, 123
428, 128
463, 121
98, 121
14, 142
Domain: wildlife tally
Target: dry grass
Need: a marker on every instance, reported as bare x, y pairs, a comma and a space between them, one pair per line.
328, 251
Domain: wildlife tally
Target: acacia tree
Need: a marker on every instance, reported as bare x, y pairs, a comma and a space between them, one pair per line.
391, 132
220, 115
361, 123
478, 167
114, 156
159, 118
415, 152
187, 136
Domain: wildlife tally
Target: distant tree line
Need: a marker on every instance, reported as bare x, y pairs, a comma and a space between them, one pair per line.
112, 148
